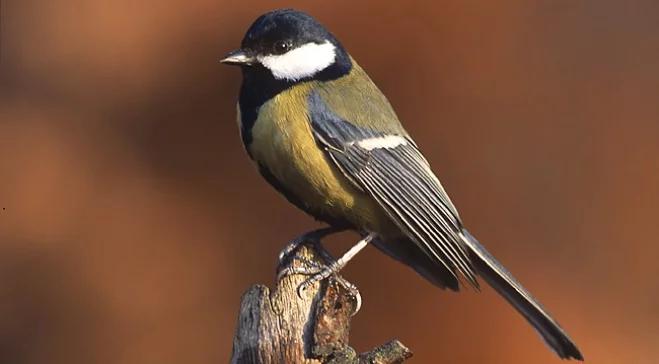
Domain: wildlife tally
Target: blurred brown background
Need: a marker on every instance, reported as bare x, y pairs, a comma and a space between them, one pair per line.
132, 220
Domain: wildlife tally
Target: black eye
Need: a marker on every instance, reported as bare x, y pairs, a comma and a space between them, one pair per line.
281, 47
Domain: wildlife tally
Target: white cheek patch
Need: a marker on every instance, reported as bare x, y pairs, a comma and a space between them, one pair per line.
387, 141
303, 61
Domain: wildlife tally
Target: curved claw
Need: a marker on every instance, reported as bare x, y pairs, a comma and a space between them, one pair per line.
358, 303
303, 287
324, 273
354, 292
321, 274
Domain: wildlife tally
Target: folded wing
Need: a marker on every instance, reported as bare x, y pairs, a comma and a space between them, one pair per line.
392, 170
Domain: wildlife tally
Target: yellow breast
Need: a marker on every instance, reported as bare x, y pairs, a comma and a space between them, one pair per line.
284, 143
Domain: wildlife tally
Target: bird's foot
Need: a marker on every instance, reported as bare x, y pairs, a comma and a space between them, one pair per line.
327, 272
319, 272
323, 274
336, 265
352, 291
312, 237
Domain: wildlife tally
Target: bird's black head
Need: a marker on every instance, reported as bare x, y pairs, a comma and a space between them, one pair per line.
290, 46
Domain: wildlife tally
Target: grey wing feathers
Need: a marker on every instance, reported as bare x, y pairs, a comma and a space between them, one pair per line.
392, 170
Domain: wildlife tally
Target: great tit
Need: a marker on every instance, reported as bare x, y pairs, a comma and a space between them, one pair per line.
323, 134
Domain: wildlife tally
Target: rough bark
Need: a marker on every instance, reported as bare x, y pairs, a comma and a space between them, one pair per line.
278, 326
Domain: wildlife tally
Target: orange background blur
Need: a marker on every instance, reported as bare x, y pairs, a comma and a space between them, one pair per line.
132, 220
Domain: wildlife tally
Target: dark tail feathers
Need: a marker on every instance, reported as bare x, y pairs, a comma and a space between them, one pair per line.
508, 287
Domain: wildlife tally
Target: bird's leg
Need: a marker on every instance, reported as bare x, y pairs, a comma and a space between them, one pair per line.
312, 237
337, 265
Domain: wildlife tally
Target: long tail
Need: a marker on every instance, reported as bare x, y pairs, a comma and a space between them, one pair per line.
508, 287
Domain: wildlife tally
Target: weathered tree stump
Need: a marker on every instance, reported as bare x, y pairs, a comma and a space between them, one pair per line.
278, 326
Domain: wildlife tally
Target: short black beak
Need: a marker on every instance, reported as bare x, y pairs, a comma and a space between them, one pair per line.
238, 58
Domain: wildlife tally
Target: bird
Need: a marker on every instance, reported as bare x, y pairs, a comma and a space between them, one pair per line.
322, 134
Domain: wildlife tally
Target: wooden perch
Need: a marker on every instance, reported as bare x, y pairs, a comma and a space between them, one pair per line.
278, 326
